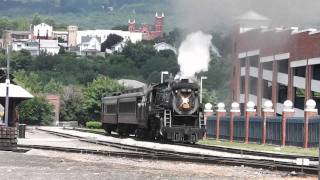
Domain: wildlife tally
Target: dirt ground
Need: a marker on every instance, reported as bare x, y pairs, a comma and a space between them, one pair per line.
40, 164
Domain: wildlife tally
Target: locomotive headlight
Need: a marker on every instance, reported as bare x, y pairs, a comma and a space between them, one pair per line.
185, 102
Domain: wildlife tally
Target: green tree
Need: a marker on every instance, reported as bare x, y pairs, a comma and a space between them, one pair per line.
93, 93
120, 27
111, 40
21, 60
50, 21
36, 111
71, 105
209, 97
139, 53
121, 67
36, 19
174, 37
53, 87
28, 80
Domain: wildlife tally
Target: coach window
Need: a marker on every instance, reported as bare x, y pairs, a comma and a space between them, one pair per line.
110, 109
127, 107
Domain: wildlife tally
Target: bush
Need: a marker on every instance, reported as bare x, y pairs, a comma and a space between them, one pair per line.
94, 125
36, 111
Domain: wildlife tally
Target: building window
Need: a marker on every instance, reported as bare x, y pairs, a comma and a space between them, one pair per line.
283, 66
316, 72
300, 71
242, 84
282, 93
254, 61
316, 97
253, 85
299, 98
242, 110
267, 65
267, 89
243, 62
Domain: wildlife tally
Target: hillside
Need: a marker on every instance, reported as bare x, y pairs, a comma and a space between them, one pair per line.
88, 13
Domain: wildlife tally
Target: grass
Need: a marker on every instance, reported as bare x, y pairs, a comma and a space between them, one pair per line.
262, 148
94, 130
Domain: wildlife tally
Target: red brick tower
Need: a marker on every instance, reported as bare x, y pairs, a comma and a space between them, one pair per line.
159, 23
132, 25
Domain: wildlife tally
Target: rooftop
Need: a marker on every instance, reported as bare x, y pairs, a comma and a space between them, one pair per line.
15, 91
252, 15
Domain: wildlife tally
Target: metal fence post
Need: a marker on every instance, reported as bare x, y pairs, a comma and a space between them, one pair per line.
221, 111
268, 111
250, 111
287, 112
309, 112
235, 111
207, 112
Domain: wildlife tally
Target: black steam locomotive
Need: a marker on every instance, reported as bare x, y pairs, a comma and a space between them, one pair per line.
167, 111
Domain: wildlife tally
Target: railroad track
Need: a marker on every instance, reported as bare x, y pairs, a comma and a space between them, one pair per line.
148, 153
249, 152
229, 150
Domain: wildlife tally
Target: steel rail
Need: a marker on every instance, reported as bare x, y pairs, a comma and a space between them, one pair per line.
228, 149
148, 153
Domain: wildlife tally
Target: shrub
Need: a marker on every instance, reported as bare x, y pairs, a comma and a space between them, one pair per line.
36, 111
94, 125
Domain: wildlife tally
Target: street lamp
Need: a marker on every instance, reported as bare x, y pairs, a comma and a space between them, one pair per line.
201, 79
163, 73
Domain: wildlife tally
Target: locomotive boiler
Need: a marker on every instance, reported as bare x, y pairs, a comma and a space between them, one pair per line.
166, 111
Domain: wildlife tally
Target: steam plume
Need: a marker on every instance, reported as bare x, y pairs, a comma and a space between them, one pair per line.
194, 54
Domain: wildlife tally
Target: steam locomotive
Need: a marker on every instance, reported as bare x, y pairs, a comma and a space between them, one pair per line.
167, 111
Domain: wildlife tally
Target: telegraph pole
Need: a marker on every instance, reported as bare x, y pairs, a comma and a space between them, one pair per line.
6, 119
201, 79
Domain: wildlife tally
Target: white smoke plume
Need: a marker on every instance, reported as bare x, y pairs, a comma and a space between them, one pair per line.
194, 54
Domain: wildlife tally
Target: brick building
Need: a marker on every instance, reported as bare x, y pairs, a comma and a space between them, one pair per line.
149, 32
274, 64
55, 101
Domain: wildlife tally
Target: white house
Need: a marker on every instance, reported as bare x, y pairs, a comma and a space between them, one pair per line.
49, 46
103, 35
30, 45
118, 47
43, 31
164, 46
90, 45
61, 34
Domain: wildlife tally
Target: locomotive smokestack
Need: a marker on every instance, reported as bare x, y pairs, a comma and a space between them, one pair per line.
194, 54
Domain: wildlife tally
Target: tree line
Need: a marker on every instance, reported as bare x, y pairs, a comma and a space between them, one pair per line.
81, 81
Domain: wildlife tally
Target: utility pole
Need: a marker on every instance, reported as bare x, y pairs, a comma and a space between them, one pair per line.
6, 119
201, 79
163, 73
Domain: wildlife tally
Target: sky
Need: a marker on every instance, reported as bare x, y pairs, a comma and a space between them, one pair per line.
207, 14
